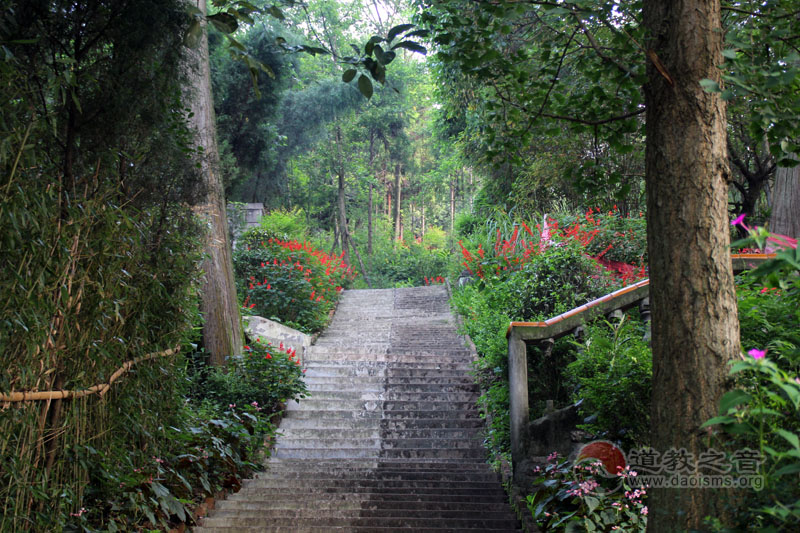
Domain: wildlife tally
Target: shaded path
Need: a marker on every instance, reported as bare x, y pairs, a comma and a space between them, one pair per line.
390, 439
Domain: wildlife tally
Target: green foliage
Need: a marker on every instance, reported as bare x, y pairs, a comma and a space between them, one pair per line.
763, 411
614, 237
408, 264
288, 281
286, 222
612, 374
206, 450
486, 325
263, 376
768, 319
559, 279
574, 497
86, 287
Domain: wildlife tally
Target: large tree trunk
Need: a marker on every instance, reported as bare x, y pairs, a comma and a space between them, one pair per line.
222, 334
694, 320
785, 218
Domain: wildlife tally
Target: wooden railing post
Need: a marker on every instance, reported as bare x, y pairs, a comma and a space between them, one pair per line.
518, 396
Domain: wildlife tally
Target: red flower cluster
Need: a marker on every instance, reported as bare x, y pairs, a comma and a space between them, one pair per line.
513, 253
438, 280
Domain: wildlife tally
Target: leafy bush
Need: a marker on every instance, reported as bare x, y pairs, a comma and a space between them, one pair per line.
263, 376
612, 374
435, 238
576, 498
288, 281
486, 327
559, 279
613, 236
763, 411
769, 318
286, 223
406, 264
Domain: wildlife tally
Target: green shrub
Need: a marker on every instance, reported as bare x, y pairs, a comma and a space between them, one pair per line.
612, 374
288, 281
486, 327
616, 238
768, 319
262, 376
435, 238
557, 280
286, 223
578, 498
407, 264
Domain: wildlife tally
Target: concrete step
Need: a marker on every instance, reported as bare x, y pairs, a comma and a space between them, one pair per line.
458, 524
379, 433
390, 439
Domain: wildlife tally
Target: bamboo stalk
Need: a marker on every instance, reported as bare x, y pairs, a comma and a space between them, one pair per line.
101, 389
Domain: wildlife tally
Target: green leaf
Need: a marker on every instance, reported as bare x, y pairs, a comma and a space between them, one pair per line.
791, 437
710, 86
365, 86
378, 54
788, 469
192, 37
224, 22
731, 399
275, 12
348, 75
411, 45
730, 53
397, 30
592, 503
718, 420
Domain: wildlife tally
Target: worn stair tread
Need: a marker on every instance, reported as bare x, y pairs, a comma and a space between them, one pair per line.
390, 437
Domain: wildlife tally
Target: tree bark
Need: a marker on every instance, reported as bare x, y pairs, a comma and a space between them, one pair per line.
452, 206
694, 317
222, 334
341, 197
423, 220
397, 203
369, 222
369, 200
785, 217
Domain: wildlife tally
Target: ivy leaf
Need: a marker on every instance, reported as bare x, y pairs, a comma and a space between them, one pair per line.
365, 86
348, 75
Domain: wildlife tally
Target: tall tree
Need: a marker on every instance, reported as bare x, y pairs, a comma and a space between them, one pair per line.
695, 326
785, 217
222, 333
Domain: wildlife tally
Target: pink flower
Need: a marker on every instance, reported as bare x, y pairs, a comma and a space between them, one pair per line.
738, 220
644, 510
756, 353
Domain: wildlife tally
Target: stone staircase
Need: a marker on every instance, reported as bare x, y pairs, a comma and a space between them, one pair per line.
390, 439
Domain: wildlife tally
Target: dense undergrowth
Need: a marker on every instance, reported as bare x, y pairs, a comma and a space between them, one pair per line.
531, 273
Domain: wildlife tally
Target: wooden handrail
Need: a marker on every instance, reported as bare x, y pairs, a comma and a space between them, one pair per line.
518, 333
101, 389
